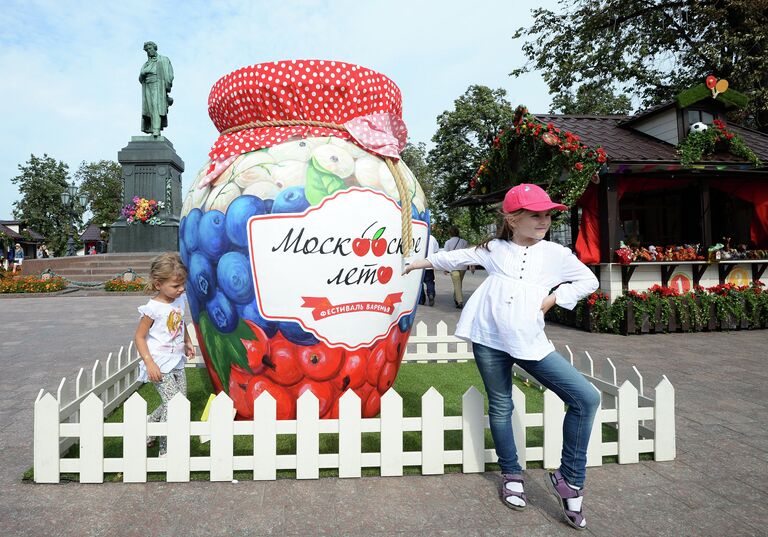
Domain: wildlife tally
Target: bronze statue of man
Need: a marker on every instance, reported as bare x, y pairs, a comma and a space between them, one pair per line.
156, 79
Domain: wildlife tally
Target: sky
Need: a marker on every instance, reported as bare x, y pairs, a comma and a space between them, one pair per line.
70, 69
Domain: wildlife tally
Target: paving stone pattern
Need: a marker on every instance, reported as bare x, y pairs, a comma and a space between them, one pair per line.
717, 486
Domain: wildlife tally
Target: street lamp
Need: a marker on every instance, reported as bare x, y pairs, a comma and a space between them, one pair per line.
68, 199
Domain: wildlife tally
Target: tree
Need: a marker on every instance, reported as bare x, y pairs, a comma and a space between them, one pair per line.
102, 182
653, 50
591, 99
41, 182
415, 157
462, 141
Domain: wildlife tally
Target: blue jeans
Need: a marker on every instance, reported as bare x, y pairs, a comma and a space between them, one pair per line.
556, 374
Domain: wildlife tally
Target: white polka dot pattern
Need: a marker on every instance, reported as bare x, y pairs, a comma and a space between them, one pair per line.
367, 102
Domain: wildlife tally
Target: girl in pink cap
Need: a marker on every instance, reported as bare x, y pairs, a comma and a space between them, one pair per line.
504, 320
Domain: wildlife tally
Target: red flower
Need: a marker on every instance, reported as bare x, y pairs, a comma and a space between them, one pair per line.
579, 166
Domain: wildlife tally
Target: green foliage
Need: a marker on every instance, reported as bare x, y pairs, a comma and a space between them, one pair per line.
652, 50
697, 144
462, 142
415, 157
41, 182
594, 98
102, 182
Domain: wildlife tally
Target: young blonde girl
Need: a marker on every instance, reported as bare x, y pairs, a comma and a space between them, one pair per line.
504, 320
161, 337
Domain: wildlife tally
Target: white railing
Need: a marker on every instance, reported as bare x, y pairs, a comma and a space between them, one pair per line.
623, 407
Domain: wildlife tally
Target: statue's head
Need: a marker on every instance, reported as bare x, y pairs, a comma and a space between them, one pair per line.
151, 48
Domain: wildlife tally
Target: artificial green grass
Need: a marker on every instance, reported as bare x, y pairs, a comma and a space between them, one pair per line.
452, 380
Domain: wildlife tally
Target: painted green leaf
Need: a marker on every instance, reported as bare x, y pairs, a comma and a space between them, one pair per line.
225, 349
320, 183
379, 233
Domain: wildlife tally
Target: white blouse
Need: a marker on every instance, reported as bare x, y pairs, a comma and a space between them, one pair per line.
505, 311
165, 339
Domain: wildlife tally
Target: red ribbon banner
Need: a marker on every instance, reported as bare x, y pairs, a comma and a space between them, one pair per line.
324, 309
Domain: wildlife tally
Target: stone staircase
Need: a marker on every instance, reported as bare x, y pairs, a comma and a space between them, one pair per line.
91, 268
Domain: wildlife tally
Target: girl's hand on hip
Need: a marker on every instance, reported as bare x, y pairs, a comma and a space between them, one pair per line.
548, 302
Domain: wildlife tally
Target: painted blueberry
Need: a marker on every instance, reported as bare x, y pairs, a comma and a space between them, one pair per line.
405, 322
212, 235
222, 313
183, 252
290, 200
251, 312
202, 277
189, 228
233, 274
238, 213
268, 205
295, 334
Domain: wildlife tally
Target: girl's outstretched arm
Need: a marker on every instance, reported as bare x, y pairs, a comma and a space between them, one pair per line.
416, 265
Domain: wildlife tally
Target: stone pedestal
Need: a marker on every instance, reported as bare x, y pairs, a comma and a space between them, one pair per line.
151, 170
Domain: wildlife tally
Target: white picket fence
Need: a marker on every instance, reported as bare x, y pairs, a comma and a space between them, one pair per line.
78, 412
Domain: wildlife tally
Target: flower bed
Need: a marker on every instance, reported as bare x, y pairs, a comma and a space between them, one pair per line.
119, 284
31, 284
663, 309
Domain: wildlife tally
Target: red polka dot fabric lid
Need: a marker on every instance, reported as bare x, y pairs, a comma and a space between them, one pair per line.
368, 105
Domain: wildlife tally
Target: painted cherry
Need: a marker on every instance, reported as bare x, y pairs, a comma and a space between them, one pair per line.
320, 362
238, 386
384, 274
372, 405
378, 245
361, 246
387, 376
281, 366
394, 345
256, 348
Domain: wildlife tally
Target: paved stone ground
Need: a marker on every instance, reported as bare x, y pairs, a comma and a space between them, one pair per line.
717, 486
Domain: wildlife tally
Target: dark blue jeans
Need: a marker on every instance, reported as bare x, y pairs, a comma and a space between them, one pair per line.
556, 374
428, 284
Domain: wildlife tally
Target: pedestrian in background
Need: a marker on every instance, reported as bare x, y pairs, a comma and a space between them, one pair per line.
457, 276
428, 285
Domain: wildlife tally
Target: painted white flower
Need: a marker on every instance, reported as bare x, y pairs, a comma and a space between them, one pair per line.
289, 173
187, 205
335, 159
265, 190
221, 196
367, 172
294, 150
199, 195
256, 166
353, 149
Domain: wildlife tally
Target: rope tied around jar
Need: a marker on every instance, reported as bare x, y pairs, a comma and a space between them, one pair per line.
400, 181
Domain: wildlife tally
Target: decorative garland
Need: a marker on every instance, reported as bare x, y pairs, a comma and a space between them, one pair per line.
535, 152
694, 146
142, 210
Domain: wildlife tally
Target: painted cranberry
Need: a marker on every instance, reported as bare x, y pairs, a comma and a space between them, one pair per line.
286, 404
281, 365
324, 392
352, 373
375, 362
387, 376
372, 405
256, 348
394, 345
238, 387
320, 362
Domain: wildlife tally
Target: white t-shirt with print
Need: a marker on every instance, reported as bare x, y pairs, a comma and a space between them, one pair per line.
165, 339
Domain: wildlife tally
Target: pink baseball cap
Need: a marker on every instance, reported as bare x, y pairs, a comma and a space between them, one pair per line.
529, 197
